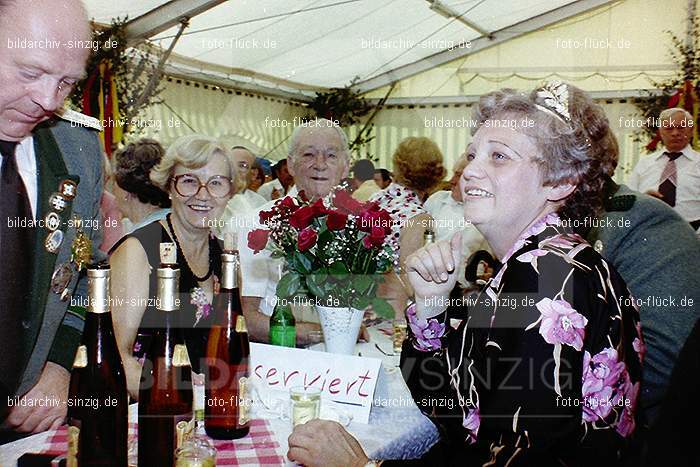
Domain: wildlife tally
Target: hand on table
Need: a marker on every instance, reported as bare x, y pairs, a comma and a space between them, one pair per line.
52, 388
325, 443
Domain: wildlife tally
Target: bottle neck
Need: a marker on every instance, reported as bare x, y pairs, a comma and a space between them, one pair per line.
167, 294
98, 344
227, 308
229, 270
283, 313
98, 293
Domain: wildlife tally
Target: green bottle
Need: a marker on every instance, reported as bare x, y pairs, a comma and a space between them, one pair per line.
283, 331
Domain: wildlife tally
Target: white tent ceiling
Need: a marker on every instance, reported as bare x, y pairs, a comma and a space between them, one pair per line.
306, 45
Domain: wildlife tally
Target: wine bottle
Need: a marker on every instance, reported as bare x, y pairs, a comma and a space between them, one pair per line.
165, 392
97, 401
283, 331
226, 365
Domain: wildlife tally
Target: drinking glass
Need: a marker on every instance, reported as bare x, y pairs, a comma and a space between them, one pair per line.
305, 404
398, 334
196, 452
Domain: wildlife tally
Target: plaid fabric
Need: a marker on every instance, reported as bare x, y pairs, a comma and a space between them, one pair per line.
258, 448
669, 172
668, 181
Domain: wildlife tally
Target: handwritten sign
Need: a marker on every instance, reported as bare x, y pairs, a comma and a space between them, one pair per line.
344, 379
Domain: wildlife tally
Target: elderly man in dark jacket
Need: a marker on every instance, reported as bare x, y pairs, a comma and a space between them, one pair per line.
50, 191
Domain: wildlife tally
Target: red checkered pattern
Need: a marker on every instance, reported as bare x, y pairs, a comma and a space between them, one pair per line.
258, 448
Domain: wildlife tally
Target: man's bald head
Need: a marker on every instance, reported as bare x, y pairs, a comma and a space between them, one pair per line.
44, 45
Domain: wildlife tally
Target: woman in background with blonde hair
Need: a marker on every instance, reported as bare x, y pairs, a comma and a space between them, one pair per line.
418, 170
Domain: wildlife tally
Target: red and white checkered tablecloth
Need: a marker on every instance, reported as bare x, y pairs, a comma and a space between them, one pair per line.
258, 448
393, 432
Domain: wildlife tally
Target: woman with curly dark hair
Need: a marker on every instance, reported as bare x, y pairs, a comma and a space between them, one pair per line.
137, 197
545, 367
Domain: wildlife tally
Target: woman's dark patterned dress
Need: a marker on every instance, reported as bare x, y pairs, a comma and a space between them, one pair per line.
544, 367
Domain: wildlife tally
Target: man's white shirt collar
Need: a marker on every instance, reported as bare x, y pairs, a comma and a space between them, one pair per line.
688, 152
26, 166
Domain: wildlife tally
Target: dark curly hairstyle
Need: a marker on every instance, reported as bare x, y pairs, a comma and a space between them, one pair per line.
133, 167
578, 152
418, 164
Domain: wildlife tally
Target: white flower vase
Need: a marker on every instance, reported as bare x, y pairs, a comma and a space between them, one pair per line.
341, 326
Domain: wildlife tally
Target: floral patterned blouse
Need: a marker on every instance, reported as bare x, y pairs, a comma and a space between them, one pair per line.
544, 367
401, 203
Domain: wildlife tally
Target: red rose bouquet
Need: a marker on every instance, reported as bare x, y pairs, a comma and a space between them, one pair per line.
335, 248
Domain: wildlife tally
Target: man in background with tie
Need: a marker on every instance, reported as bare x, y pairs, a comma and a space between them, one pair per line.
50, 187
672, 174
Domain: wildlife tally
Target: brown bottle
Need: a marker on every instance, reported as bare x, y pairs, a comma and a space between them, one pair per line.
165, 393
226, 369
97, 401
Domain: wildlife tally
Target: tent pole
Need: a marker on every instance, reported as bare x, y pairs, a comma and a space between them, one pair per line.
158, 72
164, 17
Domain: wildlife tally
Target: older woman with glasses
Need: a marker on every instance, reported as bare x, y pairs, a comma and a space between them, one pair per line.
198, 173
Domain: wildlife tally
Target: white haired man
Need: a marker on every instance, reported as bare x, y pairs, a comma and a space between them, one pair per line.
318, 160
672, 173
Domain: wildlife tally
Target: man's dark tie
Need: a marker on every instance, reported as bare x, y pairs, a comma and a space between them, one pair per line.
668, 180
15, 255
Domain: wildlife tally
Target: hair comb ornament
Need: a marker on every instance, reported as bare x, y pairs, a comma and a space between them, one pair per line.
555, 97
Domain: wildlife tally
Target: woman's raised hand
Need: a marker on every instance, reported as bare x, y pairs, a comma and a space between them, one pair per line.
432, 270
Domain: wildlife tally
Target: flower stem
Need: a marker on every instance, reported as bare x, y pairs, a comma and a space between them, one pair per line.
368, 257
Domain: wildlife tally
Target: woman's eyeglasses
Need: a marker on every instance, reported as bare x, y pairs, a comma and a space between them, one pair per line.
188, 185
